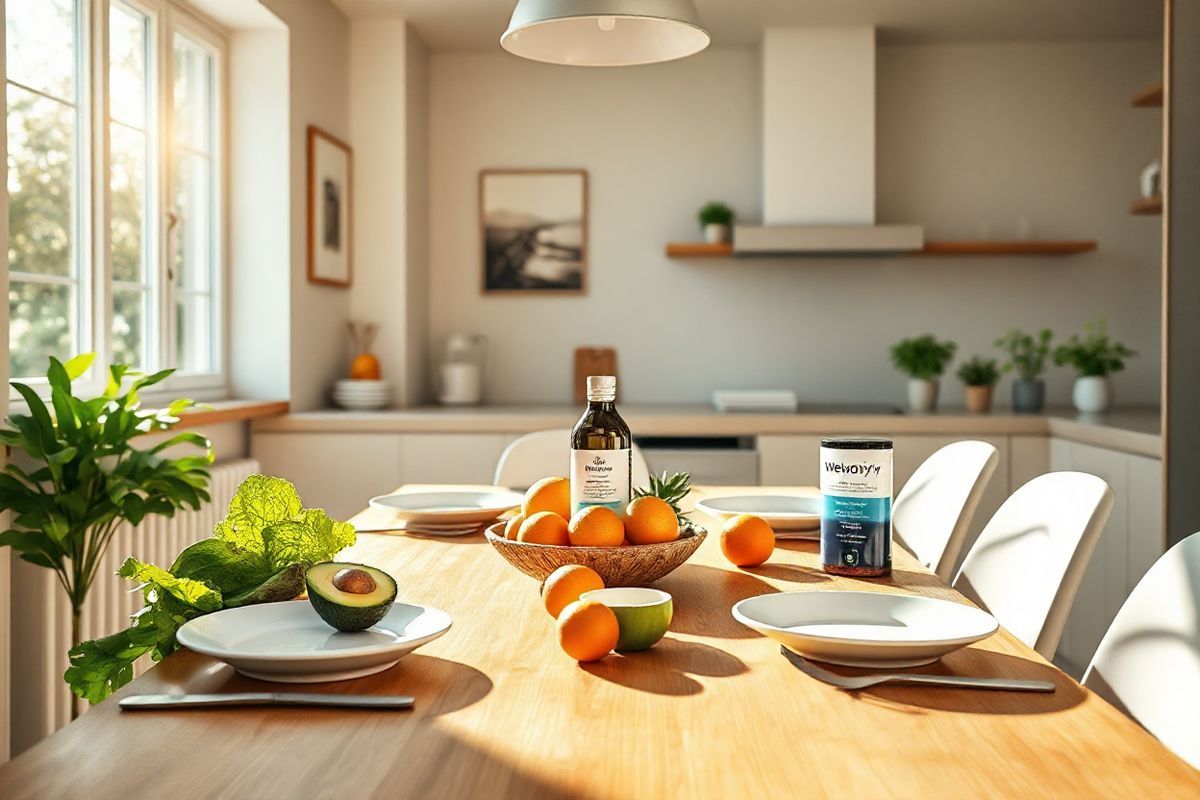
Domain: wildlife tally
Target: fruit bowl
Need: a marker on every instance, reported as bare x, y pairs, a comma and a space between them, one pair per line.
635, 565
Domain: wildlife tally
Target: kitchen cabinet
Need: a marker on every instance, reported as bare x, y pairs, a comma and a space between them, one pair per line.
1128, 545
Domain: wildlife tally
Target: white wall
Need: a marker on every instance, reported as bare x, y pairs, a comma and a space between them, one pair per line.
970, 137
5, 552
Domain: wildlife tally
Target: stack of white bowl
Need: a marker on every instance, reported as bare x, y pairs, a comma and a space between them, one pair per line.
360, 395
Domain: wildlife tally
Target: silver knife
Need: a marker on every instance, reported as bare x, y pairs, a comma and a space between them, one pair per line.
856, 682
138, 702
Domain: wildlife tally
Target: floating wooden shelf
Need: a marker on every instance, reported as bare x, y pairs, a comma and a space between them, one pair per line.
1150, 97
1146, 205
942, 248
702, 249
1016, 247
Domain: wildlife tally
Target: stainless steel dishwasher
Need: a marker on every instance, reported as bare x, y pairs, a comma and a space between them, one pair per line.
716, 460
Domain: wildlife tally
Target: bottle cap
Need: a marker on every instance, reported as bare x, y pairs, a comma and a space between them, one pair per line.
601, 387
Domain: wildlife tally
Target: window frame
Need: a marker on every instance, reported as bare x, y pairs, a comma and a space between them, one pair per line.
96, 278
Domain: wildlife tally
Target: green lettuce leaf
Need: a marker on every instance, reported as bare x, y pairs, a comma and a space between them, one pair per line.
312, 537
158, 581
259, 502
101, 666
223, 566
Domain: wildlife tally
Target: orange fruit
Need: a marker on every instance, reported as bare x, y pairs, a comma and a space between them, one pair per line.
587, 630
566, 584
544, 527
364, 367
650, 520
513, 526
548, 494
596, 526
747, 540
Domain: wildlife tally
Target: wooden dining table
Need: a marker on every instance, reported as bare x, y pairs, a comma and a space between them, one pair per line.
712, 710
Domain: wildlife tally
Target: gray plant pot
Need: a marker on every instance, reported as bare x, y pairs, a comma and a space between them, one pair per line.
1028, 396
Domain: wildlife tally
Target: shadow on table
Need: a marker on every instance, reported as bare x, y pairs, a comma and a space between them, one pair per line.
667, 667
703, 596
788, 572
977, 662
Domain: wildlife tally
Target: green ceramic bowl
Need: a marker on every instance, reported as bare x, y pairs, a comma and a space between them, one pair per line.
642, 614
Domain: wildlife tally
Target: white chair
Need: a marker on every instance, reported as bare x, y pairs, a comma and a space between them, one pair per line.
543, 453
1148, 664
1027, 564
934, 509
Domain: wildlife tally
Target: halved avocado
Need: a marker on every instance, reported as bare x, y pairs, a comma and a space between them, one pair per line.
350, 597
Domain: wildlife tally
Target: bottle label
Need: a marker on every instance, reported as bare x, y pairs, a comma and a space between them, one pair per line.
856, 524
600, 478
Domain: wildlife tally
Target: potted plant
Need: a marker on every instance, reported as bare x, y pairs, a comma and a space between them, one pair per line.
1027, 356
1094, 357
923, 359
979, 376
715, 219
77, 474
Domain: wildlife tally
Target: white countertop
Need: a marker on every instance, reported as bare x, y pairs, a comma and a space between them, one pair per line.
1134, 430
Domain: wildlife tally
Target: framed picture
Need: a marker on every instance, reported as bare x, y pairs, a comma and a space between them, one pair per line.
534, 229
330, 172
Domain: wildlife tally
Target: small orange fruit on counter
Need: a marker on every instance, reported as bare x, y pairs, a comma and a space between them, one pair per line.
544, 527
747, 540
364, 367
548, 494
587, 630
649, 520
565, 585
596, 526
513, 526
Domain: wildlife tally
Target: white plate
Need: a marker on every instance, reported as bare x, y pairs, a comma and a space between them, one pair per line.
782, 512
865, 629
449, 507
288, 643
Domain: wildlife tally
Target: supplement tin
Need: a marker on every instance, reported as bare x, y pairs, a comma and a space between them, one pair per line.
856, 506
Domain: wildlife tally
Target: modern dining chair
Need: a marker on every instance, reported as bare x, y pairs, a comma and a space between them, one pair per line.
1027, 564
543, 453
934, 509
1148, 664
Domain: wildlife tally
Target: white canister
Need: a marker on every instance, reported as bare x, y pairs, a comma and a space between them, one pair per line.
461, 384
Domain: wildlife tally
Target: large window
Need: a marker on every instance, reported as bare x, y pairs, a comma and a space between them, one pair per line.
114, 186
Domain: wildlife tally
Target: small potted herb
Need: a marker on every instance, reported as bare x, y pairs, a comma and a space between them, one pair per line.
1094, 357
979, 376
715, 219
1027, 356
923, 359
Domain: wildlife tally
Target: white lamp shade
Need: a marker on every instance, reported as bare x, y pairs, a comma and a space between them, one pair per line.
604, 33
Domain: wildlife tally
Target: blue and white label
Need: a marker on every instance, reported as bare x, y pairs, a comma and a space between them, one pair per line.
856, 509
600, 478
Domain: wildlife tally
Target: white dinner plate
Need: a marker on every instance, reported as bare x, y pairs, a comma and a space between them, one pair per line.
450, 507
287, 642
865, 629
783, 512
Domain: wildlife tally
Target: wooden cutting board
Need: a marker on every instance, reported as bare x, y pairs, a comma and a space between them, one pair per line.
591, 361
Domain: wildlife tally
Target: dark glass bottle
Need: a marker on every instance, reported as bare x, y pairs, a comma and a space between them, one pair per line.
601, 448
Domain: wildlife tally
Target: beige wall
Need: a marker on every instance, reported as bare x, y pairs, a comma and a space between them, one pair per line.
971, 138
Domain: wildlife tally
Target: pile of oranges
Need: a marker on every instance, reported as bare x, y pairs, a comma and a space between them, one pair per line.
587, 630
545, 518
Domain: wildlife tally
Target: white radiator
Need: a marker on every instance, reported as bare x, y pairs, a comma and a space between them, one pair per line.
41, 630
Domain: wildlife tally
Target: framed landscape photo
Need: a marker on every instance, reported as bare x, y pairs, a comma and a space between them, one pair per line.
330, 171
533, 224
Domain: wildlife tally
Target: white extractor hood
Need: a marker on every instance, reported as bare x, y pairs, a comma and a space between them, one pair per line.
819, 148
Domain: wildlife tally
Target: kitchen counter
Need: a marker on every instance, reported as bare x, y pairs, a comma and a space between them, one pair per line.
1133, 430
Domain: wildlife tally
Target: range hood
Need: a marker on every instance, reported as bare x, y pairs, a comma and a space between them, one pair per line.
818, 98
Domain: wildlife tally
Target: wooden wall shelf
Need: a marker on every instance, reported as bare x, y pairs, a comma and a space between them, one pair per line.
699, 249
1150, 97
1146, 205
936, 248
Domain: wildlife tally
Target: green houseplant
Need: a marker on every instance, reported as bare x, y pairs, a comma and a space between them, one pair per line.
76, 475
979, 376
1027, 357
923, 359
715, 220
1094, 357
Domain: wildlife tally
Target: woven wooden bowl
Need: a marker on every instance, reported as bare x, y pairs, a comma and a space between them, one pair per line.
636, 565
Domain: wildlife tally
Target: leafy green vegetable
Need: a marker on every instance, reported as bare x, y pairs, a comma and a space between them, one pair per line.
258, 554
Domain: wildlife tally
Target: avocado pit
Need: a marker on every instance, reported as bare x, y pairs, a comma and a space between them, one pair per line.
354, 581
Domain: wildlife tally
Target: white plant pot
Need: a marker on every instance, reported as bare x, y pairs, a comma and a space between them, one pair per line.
922, 395
716, 233
1092, 393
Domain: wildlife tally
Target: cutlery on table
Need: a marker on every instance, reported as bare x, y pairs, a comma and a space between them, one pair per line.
138, 702
855, 682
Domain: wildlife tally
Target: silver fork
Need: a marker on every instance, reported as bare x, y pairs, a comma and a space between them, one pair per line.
855, 682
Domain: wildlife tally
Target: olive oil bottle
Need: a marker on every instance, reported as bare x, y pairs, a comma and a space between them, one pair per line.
601, 447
